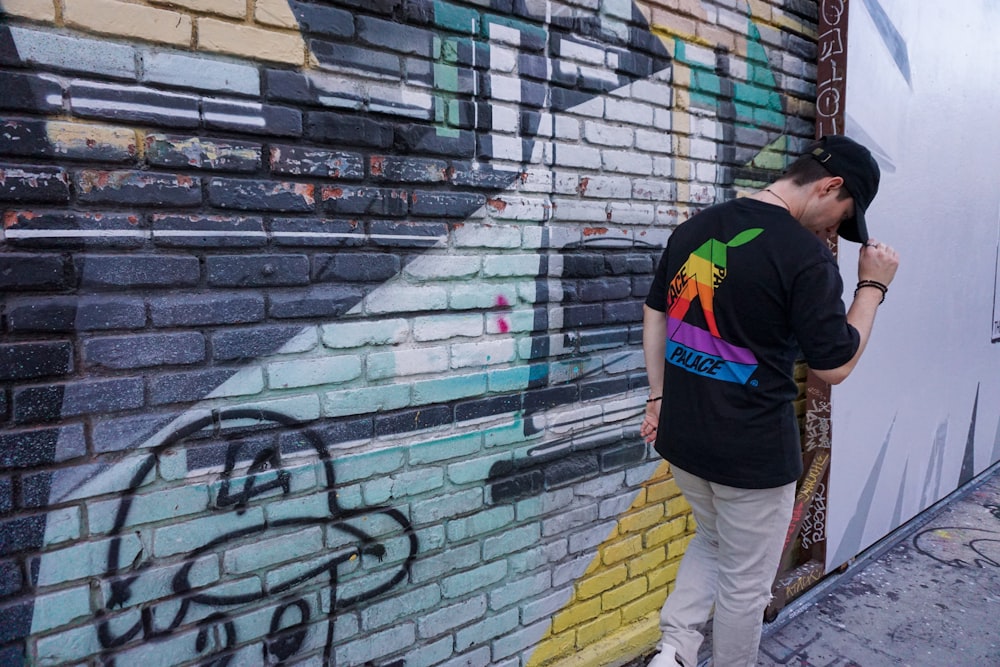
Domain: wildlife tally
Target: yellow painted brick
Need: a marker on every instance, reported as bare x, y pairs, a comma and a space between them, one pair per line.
665, 532
250, 42
36, 10
651, 602
644, 518
617, 597
553, 647
275, 12
628, 643
577, 613
663, 576
236, 9
125, 19
600, 582
678, 506
663, 490
675, 548
646, 561
66, 137
719, 37
598, 629
621, 549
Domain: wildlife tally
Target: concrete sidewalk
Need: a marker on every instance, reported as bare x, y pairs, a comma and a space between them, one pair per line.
928, 594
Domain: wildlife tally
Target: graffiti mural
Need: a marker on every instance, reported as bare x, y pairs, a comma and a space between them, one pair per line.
322, 319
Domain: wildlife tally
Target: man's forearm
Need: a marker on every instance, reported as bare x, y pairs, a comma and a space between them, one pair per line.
654, 343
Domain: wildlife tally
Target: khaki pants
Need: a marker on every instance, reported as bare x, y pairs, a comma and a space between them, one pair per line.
730, 563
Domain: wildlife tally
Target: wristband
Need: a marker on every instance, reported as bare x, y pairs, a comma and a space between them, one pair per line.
872, 283
650, 400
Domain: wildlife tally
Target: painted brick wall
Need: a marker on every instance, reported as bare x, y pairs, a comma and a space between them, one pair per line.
322, 320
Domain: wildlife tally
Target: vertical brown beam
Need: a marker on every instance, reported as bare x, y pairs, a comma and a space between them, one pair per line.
831, 94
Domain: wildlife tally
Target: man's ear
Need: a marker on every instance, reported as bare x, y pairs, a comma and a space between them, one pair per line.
832, 184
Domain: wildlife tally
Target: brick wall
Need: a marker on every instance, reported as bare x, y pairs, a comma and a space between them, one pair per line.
321, 321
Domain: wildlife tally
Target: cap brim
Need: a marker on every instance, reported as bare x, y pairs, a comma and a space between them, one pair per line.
855, 229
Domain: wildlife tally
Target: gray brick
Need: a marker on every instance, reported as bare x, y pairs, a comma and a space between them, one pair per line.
409, 169
205, 309
137, 188
196, 231
192, 386
86, 313
198, 153
369, 60
440, 621
257, 270
144, 351
75, 54
320, 301
105, 271
36, 137
433, 566
305, 161
33, 184
250, 195
346, 200
25, 361
52, 402
186, 71
30, 92
254, 117
335, 129
493, 626
319, 232
25, 272
322, 19
73, 230
40, 447
404, 38
134, 104
351, 267
122, 433
235, 344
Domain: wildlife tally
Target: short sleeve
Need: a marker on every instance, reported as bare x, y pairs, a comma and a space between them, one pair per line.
819, 319
657, 297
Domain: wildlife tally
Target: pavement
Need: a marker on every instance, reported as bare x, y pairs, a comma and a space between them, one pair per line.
928, 594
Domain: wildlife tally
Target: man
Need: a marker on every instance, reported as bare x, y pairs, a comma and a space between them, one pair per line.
742, 290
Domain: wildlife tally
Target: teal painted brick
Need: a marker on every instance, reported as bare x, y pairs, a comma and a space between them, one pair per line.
476, 470
440, 621
446, 448
540, 556
448, 389
480, 657
473, 580
430, 566
482, 354
417, 482
519, 640
457, 19
301, 478
545, 503
58, 609
398, 363
545, 607
508, 435
570, 571
175, 649
443, 327
511, 541
377, 491
149, 507
488, 521
85, 559
302, 408
521, 589
374, 646
431, 538
187, 536
407, 299
430, 654
313, 372
266, 553
365, 466
400, 606
155, 583
447, 506
485, 630
467, 297
362, 401
247, 586
279, 577
62, 525
314, 505
368, 333
65, 647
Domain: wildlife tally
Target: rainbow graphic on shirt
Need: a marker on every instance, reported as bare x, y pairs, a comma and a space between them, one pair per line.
697, 350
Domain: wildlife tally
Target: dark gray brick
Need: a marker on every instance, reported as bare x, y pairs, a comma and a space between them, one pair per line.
408, 169
578, 316
6, 507
406, 234
11, 580
53, 402
537, 400
247, 195
257, 270
413, 420
28, 92
185, 387
115, 434
206, 309
316, 19
26, 361
583, 266
198, 231
602, 388
134, 104
571, 468
304, 161
88, 313
486, 407
71, 230
264, 119
35, 137
322, 232
395, 36
446, 204
110, 271
329, 433
197, 153
319, 301
36, 447
641, 285
367, 60
238, 344
606, 338
22, 272
137, 188
346, 200
12, 533
144, 351
622, 312
35, 185
625, 454
422, 139
482, 175
604, 289
337, 129
354, 267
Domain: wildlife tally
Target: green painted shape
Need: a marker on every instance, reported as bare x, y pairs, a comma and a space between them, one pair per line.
453, 17
745, 236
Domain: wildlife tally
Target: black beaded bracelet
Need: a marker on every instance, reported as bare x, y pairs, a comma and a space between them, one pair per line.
872, 283
650, 400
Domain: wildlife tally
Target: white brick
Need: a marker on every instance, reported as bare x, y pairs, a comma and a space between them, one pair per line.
608, 135
443, 267
512, 207
367, 333
573, 50
487, 236
511, 265
606, 187
487, 353
571, 210
657, 94
629, 213
652, 141
627, 163
407, 362
313, 372
397, 298
577, 156
628, 111
442, 327
362, 401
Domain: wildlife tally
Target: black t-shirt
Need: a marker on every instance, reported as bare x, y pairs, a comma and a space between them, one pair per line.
745, 288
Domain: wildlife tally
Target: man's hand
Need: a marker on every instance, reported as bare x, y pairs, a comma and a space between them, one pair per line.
877, 262
650, 422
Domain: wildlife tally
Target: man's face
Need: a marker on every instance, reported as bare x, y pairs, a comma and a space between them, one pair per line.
827, 211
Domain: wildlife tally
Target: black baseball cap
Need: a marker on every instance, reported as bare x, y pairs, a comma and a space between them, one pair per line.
854, 163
